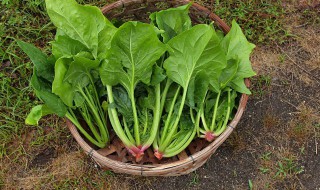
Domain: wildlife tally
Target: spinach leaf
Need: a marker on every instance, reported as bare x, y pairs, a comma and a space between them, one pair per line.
43, 92
79, 22
36, 113
42, 63
64, 46
135, 49
191, 53
173, 21
60, 87
237, 47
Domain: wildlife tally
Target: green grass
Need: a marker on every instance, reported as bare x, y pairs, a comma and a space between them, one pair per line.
262, 20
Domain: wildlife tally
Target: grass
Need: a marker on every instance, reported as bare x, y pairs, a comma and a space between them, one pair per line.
262, 20
20, 145
261, 85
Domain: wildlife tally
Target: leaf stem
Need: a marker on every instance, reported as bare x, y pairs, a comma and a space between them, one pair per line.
75, 121
167, 123
156, 119
126, 128
175, 125
114, 119
213, 122
225, 123
164, 94
135, 118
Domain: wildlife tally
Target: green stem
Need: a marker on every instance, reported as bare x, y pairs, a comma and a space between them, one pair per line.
100, 116
167, 123
204, 123
126, 128
177, 150
175, 125
146, 124
197, 121
86, 116
164, 94
155, 142
97, 102
213, 122
89, 101
225, 123
135, 118
156, 118
114, 119
75, 121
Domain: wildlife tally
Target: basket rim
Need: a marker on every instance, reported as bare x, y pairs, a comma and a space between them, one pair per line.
166, 168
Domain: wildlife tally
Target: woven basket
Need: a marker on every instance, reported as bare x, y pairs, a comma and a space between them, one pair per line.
115, 157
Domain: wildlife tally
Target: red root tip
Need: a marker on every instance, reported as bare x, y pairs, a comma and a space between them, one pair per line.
209, 136
139, 156
158, 155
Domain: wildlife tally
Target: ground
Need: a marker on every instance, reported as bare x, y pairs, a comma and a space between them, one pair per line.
275, 146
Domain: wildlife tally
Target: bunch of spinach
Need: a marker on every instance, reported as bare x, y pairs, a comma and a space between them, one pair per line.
209, 69
68, 81
159, 84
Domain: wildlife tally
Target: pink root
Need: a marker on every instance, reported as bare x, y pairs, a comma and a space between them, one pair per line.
209, 136
158, 155
137, 153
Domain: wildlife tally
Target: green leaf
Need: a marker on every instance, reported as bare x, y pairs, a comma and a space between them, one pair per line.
60, 87
105, 37
123, 103
64, 46
173, 21
43, 91
43, 66
135, 49
192, 53
78, 73
36, 113
239, 86
80, 22
236, 45
229, 72
157, 75
201, 87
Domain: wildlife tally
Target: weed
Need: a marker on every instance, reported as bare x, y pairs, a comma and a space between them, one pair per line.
266, 156
261, 85
195, 179
250, 184
264, 170
288, 166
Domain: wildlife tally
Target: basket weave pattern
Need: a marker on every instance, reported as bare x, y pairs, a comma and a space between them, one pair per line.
115, 157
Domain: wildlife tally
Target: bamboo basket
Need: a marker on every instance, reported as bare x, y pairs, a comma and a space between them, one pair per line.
115, 157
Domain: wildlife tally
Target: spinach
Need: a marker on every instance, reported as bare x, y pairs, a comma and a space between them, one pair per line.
135, 48
160, 84
68, 82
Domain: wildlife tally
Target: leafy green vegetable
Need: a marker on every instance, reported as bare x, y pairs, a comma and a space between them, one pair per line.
238, 67
135, 49
66, 82
191, 56
162, 83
